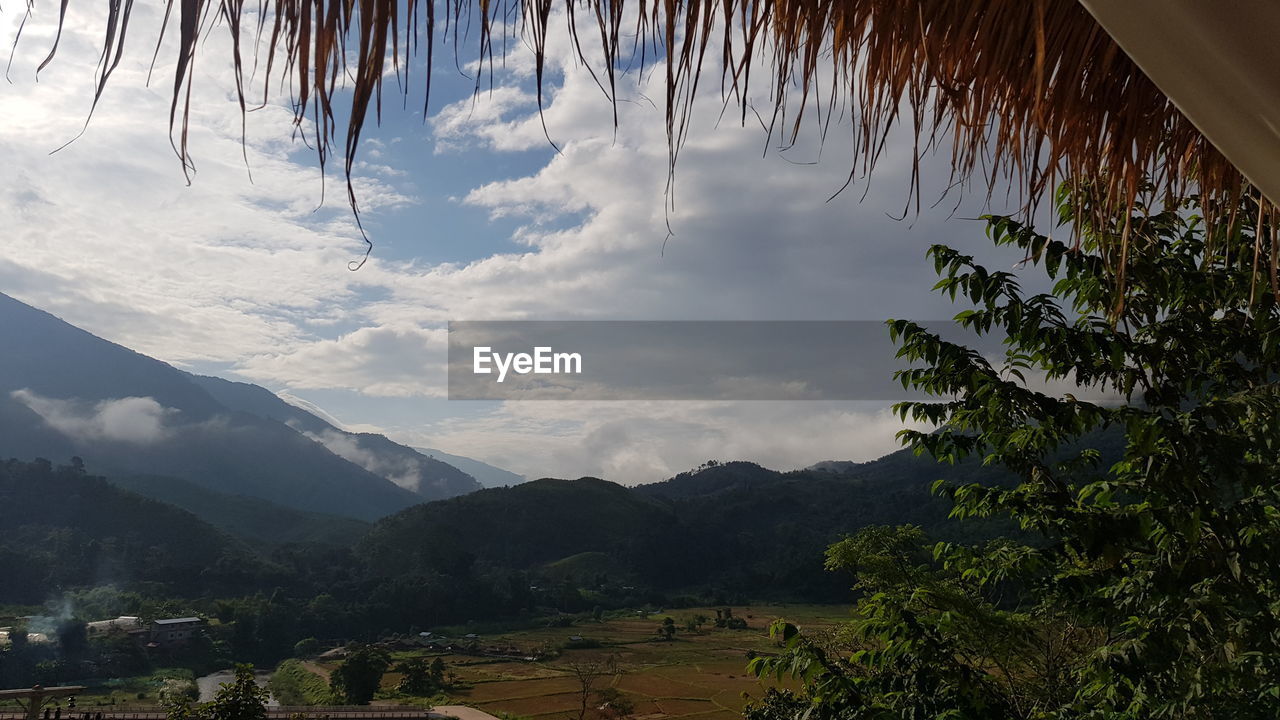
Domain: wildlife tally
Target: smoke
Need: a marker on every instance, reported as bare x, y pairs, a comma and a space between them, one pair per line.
137, 420
403, 471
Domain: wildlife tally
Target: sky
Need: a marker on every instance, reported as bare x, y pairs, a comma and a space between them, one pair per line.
243, 273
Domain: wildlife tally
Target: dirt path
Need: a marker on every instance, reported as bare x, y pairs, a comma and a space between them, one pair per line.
462, 712
317, 669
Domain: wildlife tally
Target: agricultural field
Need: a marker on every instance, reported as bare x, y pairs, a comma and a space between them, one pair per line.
697, 674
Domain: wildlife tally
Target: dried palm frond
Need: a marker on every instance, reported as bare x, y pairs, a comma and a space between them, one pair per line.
1034, 90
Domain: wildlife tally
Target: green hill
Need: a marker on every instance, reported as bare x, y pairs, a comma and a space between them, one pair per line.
251, 519
734, 527
65, 529
517, 527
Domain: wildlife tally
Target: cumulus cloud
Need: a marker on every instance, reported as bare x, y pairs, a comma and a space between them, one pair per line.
106, 234
136, 420
394, 360
634, 443
251, 279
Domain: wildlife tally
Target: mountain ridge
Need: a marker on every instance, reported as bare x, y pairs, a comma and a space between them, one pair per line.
65, 392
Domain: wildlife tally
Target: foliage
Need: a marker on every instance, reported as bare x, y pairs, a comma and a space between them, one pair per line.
97, 529
356, 679
306, 647
421, 678
177, 690
727, 620
614, 704
1144, 588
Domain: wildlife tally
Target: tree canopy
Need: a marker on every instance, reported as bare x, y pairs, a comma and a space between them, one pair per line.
1143, 588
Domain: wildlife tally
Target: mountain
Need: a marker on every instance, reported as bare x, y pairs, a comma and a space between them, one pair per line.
253, 520
734, 528
64, 528
516, 527
65, 392
412, 470
487, 475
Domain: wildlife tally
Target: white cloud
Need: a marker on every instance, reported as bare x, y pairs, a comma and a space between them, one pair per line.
105, 234
136, 420
634, 443
394, 360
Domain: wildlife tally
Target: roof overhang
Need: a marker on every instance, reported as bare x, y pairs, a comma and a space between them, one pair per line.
1219, 63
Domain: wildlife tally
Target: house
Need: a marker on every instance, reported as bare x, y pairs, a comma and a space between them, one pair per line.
174, 632
33, 638
128, 624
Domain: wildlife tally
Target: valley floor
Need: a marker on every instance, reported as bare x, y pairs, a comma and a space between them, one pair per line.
695, 675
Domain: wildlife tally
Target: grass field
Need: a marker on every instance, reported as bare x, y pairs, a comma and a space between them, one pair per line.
140, 691
295, 683
696, 675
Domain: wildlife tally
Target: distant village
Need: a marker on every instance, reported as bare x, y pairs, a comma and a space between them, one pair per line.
163, 633
174, 633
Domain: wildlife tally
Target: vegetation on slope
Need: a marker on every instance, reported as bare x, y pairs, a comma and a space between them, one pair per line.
66, 528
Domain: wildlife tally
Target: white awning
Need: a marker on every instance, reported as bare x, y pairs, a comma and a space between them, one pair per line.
1219, 62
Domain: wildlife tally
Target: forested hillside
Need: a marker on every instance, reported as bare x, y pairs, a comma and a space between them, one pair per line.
732, 532
734, 528
248, 518
67, 529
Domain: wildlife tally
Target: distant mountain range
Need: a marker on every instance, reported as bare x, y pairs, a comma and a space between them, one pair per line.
281, 494
486, 474
732, 530
737, 527
65, 392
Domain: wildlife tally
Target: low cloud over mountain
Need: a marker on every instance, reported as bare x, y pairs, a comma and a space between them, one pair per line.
137, 420
64, 392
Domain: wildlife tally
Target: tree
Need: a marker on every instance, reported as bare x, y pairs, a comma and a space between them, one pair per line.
667, 630
357, 678
614, 704
1145, 586
306, 647
419, 677
241, 699
726, 619
18, 638
177, 690
587, 674
73, 638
